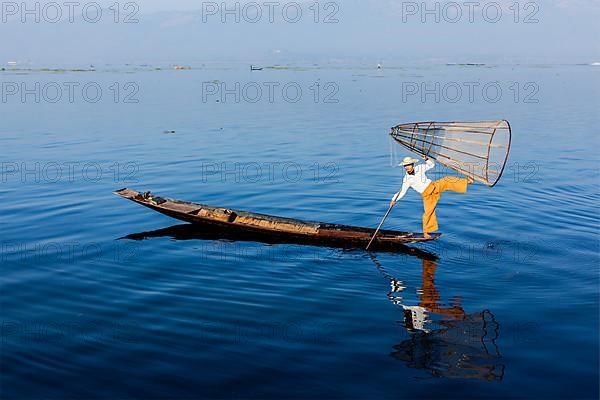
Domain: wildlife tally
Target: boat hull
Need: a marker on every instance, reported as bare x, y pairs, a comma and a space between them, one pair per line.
264, 226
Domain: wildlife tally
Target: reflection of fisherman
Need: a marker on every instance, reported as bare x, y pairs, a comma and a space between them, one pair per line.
463, 346
415, 317
430, 191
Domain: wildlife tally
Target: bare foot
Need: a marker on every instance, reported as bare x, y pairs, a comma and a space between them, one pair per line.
426, 235
469, 180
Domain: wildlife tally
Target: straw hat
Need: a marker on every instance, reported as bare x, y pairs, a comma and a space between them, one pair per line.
408, 161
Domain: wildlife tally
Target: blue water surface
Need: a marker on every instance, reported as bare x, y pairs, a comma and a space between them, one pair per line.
504, 305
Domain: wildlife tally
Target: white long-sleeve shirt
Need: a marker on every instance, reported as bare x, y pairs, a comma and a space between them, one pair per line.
418, 180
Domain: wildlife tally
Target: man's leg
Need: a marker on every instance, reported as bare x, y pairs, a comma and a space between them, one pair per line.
429, 218
452, 183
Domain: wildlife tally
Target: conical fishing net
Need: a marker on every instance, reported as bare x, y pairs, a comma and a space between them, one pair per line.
475, 149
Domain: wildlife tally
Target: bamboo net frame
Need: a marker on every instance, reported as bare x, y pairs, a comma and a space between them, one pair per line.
475, 149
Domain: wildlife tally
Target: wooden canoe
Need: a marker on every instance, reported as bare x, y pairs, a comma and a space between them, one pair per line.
262, 225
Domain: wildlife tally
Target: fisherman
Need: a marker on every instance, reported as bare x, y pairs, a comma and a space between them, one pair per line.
430, 191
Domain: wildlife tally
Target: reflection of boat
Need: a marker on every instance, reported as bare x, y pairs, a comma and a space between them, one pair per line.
277, 228
460, 346
202, 232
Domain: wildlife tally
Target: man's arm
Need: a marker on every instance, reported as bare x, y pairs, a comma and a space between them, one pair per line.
428, 163
400, 194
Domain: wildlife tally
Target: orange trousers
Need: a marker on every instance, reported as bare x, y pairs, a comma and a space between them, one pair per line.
431, 196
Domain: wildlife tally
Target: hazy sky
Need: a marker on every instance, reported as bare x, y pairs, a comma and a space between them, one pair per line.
510, 31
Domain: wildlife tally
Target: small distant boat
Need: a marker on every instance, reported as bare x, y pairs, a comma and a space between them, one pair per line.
253, 68
262, 225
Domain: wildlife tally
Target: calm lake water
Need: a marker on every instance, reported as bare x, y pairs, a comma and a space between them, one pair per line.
102, 298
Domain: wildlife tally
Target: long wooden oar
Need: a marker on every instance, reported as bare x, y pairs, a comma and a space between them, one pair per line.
380, 224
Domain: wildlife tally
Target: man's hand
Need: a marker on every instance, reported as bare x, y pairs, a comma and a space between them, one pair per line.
425, 157
392, 203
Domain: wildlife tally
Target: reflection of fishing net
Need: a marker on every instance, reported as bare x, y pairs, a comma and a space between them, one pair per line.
475, 149
462, 348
